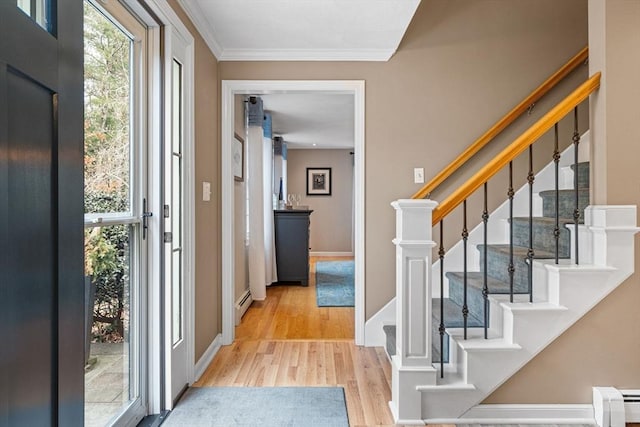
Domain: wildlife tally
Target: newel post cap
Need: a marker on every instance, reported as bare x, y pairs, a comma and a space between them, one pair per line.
402, 204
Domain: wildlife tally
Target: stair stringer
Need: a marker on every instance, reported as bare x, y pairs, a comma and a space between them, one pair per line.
479, 366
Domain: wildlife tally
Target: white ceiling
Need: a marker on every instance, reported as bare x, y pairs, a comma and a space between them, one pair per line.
326, 120
279, 30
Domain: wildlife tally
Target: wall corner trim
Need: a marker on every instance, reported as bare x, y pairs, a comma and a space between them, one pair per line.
203, 363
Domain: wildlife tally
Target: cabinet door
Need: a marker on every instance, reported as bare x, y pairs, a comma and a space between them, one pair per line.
292, 246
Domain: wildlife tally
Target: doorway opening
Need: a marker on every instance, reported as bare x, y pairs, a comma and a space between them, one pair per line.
232, 90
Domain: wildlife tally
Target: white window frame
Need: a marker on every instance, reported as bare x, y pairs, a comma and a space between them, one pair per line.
125, 21
160, 42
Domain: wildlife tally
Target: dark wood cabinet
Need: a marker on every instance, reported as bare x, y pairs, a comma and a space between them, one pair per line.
292, 245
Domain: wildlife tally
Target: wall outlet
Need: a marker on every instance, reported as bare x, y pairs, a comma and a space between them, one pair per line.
206, 191
418, 175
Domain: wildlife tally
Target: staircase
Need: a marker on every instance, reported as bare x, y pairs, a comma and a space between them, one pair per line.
468, 370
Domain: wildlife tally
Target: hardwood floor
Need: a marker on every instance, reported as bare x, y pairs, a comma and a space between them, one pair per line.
290, 312
288, 341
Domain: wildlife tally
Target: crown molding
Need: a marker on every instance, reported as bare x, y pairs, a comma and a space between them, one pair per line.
193, 11
379, 55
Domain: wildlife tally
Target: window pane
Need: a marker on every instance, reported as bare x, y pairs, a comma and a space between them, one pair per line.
39, 11
108, 278
176, 204
107, 124
176, 309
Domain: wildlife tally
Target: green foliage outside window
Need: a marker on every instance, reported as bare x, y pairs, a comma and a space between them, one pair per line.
107, 162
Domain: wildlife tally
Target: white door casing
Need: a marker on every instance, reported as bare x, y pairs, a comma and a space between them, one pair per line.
230, 88
179, 199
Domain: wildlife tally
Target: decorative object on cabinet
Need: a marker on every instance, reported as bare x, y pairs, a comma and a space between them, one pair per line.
318, 181
292, 245
238, 157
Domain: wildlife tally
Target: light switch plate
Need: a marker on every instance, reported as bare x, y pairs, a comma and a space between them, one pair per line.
418, 175
206, 191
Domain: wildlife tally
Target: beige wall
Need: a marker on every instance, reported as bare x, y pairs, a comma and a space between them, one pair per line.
239, 211
461, 65
603, 348
332, 217
208, 322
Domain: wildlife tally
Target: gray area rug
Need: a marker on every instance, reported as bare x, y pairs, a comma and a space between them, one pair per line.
261, 406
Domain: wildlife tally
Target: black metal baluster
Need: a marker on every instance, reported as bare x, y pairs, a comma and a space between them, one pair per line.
441, 327
576, 211
556, 160
465, 236
530, 253
511, 269
485, 287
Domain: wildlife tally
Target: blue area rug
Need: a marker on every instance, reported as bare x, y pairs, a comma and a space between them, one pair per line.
260, 406
335, 284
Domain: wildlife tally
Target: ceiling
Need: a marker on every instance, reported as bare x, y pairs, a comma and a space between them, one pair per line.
296, 30
316, 120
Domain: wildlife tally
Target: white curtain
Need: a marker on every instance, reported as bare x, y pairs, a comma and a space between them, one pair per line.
261, 238
269, 227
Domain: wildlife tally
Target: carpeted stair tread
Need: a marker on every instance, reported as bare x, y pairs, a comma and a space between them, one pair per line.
498, 261
567, 202
544, 220
475, 283
452, 315
583, 174
519, 252
543, 234
390, 334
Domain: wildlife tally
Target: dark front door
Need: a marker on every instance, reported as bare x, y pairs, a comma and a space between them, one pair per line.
41, 213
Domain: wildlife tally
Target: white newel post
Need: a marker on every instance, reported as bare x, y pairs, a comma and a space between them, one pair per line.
411, 366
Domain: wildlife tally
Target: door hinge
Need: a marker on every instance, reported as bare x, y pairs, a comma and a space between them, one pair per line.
168, 237
167, 211
145, 219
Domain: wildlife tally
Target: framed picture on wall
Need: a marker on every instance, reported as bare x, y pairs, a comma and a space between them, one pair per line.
318, 181
238, 157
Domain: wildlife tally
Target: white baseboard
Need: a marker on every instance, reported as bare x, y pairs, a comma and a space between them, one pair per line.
203, 363
320, 254
524, 414
242, 304
631, 405
373, 333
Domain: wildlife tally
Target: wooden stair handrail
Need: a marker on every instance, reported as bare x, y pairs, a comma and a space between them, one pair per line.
505, 121
520, 144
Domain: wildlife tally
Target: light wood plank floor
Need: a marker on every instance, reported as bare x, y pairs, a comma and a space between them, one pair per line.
290, 312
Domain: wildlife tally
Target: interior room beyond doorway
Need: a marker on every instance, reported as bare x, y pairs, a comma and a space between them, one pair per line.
291, 312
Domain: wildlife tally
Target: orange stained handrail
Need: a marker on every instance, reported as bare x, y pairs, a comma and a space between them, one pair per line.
503, 123
520, 144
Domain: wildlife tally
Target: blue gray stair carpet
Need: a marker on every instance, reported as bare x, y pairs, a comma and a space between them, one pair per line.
498, 256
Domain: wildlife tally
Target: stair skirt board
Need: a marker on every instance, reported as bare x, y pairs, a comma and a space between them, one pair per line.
547, 414
374, 335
